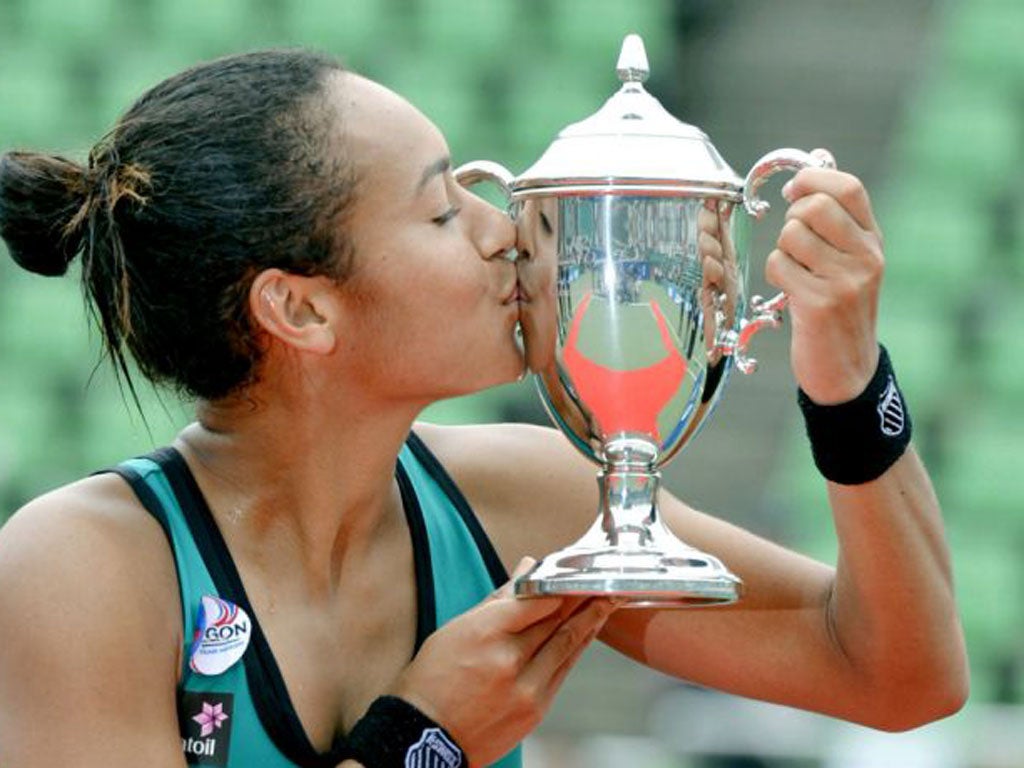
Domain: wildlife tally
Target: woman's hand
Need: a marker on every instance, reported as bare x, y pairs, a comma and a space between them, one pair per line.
489, 675
829, 261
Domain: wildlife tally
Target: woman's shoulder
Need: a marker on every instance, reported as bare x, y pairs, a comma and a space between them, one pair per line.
503, 455
514, 476
454, 440
96, 511
90, 627
87, 556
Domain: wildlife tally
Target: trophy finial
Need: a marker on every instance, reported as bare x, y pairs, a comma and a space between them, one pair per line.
632, 66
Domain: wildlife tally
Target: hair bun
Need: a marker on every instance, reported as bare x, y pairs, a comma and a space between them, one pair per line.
39, 198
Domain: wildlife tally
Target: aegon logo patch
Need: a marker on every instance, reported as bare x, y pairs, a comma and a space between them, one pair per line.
433, 750
206, 720
223, 631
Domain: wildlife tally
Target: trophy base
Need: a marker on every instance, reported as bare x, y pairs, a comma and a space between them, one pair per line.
630, 554
683, 578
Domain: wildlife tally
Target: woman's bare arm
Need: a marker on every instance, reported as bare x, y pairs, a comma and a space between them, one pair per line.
875, 640
89, 633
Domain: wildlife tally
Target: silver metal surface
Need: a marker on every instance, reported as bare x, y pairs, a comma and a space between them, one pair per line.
632, 66
628, 552
633, 271
631, 145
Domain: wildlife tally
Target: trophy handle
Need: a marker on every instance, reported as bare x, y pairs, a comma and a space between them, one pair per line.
766, 314
476, 171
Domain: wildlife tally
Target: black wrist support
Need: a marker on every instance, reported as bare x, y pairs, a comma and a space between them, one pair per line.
394, 734
857, 441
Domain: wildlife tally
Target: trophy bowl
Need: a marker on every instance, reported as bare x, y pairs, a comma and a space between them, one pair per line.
633, 240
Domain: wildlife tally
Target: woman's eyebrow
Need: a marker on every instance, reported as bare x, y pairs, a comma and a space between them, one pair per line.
438, 166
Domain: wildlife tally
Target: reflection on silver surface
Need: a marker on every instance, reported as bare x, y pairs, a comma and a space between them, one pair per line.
642, 286
632, 267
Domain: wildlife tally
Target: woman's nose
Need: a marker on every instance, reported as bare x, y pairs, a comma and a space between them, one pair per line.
497, 236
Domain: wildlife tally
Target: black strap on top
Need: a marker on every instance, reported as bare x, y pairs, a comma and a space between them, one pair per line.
495, 568
152, 504
269, 692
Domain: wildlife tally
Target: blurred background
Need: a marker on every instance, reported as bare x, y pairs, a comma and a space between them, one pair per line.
922, 99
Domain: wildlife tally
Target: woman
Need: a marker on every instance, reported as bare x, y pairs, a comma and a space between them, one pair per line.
284, 241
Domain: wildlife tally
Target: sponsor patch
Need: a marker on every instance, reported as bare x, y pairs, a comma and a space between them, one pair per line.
206, 720
890, 410
223, 631
433, 750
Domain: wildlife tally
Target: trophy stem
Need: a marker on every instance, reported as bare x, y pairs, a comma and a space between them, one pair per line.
628, 507
629, 553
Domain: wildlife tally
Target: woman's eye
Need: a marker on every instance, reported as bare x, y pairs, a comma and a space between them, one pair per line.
447, 216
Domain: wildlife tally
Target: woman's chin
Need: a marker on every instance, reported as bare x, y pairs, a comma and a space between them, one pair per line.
511, 368
538, 348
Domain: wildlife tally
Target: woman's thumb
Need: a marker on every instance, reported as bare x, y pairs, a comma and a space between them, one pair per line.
524, 566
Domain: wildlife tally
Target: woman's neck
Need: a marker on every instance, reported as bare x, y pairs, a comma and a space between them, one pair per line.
296, 483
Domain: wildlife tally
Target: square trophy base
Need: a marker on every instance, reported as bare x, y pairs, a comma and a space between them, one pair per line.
629, 554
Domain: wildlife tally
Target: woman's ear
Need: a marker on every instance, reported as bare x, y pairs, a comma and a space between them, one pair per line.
297, 310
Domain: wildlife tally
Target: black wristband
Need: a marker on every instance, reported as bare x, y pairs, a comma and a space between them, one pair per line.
857, 441
394, 734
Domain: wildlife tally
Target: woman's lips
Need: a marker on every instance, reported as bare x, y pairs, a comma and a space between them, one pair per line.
516, 295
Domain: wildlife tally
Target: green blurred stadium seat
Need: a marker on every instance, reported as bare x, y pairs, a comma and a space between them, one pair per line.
472, 32
47, 318
544, 98
984, 39
134, 73
918, 338
966, 131
437, 87
937, 239
983, 479
578, 38
987, 577
203, 29
354, 31
73, 25
34, 92
1002, 349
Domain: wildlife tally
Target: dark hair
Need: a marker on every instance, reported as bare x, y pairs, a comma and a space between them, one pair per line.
212, 176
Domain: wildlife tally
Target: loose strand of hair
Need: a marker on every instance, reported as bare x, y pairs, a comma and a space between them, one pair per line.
107, 311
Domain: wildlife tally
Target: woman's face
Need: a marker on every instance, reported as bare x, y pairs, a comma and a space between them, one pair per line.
431, 303
538, 272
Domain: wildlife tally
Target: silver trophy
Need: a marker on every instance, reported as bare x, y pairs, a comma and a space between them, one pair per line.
633, 268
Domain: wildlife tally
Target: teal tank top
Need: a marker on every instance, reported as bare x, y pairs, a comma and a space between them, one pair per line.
243, 717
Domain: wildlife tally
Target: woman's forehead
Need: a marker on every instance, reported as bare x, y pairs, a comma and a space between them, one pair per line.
388, 140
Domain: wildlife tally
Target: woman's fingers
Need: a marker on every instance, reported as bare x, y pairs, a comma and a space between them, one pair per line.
845, 188
508, 614
790, 275
545, 671
533, 638
828, 219
511, 615
804, 245
522, 568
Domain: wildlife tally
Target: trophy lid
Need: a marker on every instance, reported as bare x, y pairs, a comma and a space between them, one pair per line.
632, 145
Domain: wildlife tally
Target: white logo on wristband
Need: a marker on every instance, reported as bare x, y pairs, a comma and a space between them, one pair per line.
433, 750
890, 410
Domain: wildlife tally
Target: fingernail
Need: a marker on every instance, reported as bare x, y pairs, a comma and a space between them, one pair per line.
787, 191
524, 565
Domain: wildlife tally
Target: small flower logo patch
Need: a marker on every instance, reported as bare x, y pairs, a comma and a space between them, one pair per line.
210, 718
205, 719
